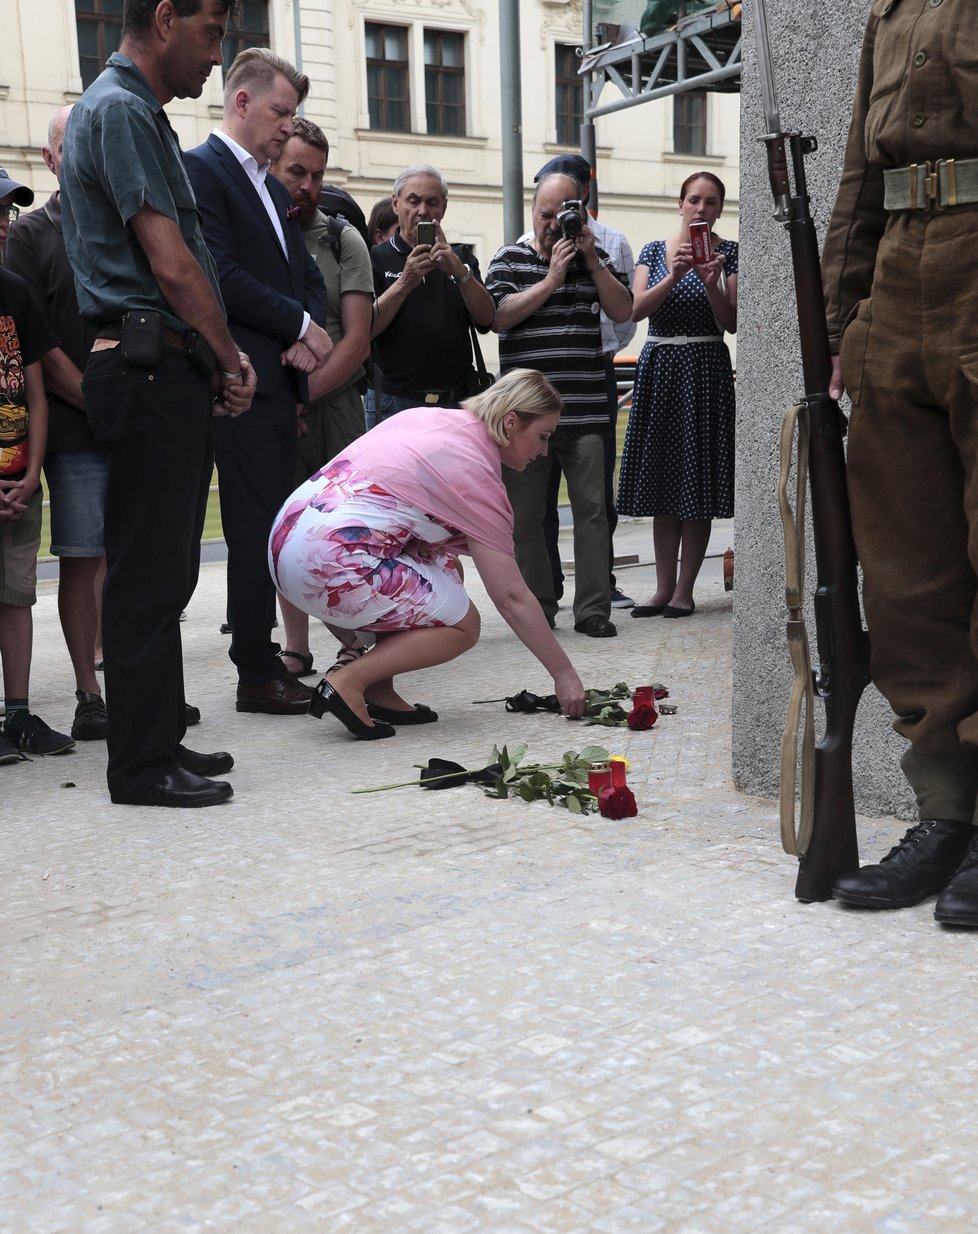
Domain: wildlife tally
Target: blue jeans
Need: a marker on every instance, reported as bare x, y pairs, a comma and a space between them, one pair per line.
390, 405
77, 483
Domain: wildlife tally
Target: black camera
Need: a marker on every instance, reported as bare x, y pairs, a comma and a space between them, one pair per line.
570, 219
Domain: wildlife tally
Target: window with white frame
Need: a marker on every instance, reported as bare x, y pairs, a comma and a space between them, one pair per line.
569, 95
99, 26
689, 123
415, 79
388, 85
444, 82
247, 27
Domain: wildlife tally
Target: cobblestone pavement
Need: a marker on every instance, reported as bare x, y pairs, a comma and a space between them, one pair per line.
442, 1014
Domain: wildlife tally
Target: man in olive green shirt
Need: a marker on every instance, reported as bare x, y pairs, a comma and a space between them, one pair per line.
334, 415
901, 280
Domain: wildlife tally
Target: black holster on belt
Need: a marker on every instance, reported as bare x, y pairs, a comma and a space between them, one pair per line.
200, 354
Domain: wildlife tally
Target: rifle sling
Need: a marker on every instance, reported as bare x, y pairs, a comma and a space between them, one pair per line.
796, 834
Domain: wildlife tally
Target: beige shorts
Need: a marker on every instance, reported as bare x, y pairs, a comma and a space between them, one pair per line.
333, 423
19, 544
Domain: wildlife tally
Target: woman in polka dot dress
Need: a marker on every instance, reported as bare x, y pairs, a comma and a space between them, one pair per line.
678, 461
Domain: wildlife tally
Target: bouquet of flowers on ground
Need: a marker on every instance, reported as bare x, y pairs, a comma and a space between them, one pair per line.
564, 783
614, 708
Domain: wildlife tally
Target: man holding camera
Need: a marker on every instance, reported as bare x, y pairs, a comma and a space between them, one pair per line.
549, 291
429, 293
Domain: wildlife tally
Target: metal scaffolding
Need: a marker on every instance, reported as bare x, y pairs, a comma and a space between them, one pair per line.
702, 52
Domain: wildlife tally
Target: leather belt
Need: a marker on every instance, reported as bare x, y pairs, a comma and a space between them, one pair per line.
428, 398
931, 186
113, 330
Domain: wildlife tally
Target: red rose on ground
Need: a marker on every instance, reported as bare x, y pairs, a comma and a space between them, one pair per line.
617, 803
642, 717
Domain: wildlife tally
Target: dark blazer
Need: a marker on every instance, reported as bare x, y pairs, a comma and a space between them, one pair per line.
264, 292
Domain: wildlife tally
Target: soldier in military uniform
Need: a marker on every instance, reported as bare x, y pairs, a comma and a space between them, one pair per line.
901, 276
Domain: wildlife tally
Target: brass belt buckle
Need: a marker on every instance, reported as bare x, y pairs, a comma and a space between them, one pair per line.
951, 198
931, 187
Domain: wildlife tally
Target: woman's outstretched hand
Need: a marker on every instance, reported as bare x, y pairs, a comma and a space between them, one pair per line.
570, 692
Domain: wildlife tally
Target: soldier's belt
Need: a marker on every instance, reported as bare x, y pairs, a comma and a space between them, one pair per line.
931, 186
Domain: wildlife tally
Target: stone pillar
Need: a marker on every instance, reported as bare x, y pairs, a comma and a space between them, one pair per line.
816, 51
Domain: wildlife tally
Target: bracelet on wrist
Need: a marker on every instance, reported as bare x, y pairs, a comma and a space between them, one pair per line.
231, 376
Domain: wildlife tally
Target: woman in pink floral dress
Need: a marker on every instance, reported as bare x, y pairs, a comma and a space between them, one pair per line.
372, 543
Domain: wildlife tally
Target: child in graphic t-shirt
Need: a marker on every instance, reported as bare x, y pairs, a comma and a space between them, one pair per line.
24, 339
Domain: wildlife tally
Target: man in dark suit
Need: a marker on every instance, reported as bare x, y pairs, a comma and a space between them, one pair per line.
276, 300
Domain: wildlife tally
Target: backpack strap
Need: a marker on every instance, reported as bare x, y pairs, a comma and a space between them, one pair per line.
334, 230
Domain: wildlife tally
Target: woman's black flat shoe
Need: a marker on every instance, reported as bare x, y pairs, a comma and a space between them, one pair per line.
670, 611
648, 610
419, 714
326, 699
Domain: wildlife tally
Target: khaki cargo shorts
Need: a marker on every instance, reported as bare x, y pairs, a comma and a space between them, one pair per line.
19, 544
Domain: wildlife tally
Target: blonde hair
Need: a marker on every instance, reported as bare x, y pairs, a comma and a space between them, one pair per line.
522, 390
256, 68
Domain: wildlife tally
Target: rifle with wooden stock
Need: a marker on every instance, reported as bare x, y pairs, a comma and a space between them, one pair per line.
824, 838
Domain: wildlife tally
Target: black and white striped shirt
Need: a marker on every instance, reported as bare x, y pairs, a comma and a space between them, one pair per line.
562, 339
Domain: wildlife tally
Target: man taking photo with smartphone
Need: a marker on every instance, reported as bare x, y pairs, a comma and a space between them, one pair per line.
429, 294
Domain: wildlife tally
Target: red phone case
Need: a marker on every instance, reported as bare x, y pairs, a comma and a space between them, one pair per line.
699, 238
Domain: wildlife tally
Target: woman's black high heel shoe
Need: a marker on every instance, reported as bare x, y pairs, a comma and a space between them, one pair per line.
325, 698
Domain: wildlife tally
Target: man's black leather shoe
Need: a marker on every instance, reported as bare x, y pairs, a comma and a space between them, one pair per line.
180, 788
216, 764
920, 865
596, 627
958, 903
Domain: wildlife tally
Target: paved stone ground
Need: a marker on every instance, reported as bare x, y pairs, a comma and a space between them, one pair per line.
441, 1014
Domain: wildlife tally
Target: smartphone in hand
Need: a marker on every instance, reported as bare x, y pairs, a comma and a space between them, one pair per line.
699, 239
426, 232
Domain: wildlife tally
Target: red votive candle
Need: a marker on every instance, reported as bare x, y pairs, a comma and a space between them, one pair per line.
619, 765
643, 696
599, 777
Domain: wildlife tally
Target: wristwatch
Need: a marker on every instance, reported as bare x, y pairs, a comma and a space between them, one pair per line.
464, 279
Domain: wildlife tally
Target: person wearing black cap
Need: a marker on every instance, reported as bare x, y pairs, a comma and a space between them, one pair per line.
614, 336
12, 197
548, 291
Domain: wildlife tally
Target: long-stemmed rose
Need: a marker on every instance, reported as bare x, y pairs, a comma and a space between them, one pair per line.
605, 707
564, 782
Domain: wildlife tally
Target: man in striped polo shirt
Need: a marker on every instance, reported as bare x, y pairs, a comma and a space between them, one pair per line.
549, 291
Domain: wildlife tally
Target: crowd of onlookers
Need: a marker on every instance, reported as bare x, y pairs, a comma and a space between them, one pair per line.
336, 327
